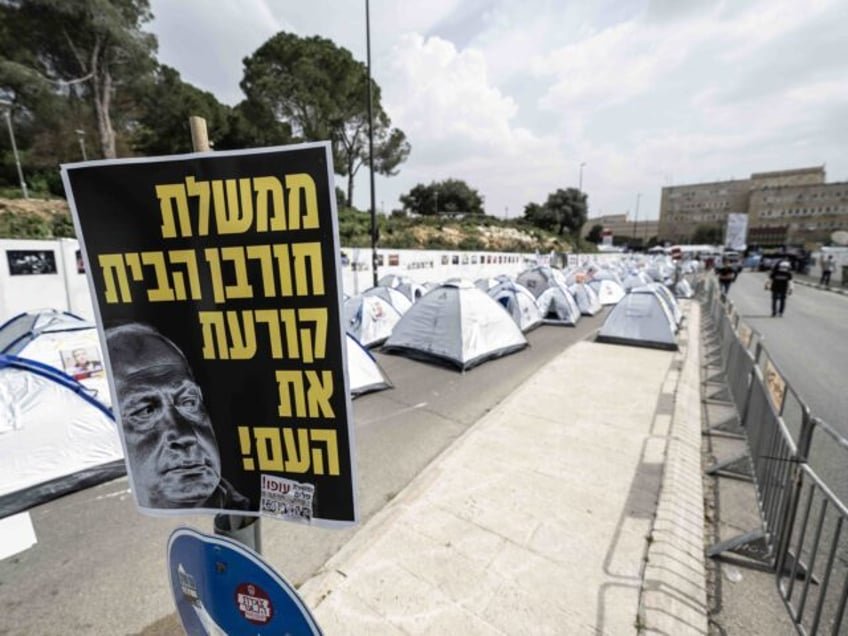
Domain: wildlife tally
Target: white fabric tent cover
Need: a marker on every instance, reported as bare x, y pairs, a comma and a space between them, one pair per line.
392, 296
609, 292
639, 319
405, 285
558, 307
519, 303
669, 301
364, 374
540, 278
51, 337
456, 323
586, 299
370, 319
54, 438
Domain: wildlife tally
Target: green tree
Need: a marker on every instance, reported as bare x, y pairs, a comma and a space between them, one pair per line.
165, 105
569, 207
321, 91
448, 197
594, 235
540, 216
92, 50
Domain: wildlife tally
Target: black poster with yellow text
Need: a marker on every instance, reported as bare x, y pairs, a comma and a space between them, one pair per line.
217, 289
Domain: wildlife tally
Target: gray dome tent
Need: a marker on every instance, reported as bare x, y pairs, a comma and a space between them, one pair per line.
558, 307
641, 319
519, 302
540, 278
456, 323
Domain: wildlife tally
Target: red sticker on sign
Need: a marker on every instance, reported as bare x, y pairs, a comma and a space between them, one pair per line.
254, 604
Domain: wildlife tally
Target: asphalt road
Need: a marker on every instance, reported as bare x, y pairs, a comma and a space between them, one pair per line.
99, 566
808, 343
810, 347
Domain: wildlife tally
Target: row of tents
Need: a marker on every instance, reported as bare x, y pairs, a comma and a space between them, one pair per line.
57, 431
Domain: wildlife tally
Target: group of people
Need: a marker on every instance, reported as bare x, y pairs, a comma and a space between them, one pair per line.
779, 281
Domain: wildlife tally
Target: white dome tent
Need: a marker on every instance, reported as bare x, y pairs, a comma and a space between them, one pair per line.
586, 298
392, 296
54, 437
364, 374
370, 319
62, 341
558, 307
609, 292
458, 324
519, 303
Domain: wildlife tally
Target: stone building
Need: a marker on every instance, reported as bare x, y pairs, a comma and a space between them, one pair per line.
784, 207
622, 227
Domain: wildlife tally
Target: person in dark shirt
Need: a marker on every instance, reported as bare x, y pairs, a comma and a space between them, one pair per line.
726, 275
780, 282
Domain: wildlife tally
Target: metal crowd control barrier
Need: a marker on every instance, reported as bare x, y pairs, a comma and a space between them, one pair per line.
812, 558
794, 461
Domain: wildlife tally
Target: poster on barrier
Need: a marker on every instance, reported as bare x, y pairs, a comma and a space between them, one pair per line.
216, 280
775, 384
744, 332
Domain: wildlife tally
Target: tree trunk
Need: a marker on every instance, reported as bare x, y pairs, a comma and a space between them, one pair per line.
101, 84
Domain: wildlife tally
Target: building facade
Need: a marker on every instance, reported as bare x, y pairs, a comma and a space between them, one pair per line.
623, 228
785, 207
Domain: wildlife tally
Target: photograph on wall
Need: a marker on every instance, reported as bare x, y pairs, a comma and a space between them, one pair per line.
216, 280
80, 262
31, 262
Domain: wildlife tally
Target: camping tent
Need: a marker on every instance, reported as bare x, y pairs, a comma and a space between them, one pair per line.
405, 285
683, 289
392, 296
609, 292
369, 318
364, 373
639, 319
61, 340
558, 306
54, 437
519, 302
670, 302
538, 279
456, 323
586, 299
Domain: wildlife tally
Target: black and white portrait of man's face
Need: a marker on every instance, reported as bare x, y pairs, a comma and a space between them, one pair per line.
170, 441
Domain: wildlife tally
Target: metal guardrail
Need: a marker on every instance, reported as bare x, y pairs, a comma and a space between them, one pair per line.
803, 535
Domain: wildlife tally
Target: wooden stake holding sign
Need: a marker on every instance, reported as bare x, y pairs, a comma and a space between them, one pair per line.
245, 530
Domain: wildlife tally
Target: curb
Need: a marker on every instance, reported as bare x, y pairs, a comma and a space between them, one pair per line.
673, 598
835, 290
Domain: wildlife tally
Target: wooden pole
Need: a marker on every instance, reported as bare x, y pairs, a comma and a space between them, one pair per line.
243, 529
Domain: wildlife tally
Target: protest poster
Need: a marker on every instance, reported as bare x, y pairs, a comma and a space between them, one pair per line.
216, 281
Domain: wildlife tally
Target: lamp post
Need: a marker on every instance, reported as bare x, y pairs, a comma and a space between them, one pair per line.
8, 114
371, 145
81, 136
580, 180
636, 217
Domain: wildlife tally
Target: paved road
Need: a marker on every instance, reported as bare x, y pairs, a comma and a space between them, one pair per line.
809, 342
99, 566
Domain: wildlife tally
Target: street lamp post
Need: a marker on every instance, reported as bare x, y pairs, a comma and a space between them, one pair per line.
636, 217
81, 136
580, 180
371, 145
8, 114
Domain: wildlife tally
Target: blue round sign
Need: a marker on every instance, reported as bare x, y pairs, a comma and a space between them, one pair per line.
221, 587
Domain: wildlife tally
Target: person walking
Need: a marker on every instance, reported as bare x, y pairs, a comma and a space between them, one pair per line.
780, 284
827, 267
726, 276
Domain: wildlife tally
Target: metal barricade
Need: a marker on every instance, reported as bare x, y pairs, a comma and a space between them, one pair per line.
812, 557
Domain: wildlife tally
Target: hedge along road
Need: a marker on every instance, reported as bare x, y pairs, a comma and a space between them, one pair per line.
99, 566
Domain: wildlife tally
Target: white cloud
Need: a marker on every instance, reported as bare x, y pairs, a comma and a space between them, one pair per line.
512, 97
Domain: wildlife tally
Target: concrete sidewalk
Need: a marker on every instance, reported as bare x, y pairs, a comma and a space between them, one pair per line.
574, 507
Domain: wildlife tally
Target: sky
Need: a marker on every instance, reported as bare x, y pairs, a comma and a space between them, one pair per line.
519, 99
